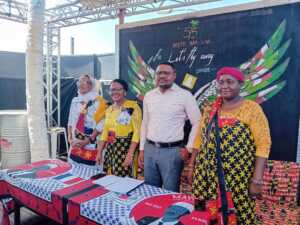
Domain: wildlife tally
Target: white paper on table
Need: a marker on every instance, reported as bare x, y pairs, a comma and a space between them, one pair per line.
107, 180
126, 185
121, 185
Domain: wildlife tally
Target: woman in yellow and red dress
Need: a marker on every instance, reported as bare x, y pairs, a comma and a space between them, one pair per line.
121, 132
244, 145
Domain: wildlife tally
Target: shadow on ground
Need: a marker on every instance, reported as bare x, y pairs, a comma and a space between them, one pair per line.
30, 218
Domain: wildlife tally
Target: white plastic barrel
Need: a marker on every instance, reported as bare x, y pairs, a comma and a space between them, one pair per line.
14, 138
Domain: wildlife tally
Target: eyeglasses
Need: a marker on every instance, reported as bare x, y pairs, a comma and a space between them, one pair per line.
84, 82
116, 90
160, 73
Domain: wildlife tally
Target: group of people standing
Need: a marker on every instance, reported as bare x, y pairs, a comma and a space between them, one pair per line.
227, 147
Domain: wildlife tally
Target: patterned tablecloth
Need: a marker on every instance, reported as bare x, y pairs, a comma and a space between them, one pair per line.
144, 205
44, 177
64, 193
34, 184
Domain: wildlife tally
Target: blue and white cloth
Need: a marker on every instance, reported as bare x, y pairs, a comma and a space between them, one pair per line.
43, 187
113, 209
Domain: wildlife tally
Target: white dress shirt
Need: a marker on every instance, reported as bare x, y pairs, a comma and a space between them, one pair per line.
165, 113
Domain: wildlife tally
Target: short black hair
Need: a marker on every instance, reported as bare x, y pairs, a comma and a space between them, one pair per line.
122, 82
169, 64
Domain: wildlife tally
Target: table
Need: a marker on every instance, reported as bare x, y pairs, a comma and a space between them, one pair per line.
144, 205
33, 185
63, 192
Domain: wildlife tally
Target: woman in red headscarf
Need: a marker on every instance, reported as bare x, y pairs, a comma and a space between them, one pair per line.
230, 151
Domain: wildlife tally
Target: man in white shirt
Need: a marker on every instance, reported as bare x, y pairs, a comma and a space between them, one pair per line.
165, 110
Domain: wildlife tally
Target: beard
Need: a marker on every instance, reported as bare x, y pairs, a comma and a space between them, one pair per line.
165, 86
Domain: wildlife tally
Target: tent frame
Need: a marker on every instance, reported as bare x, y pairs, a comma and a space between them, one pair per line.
71, 13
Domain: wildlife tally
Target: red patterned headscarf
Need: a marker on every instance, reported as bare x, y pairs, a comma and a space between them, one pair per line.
234, 72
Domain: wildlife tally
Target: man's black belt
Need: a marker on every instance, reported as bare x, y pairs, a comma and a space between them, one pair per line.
165, 145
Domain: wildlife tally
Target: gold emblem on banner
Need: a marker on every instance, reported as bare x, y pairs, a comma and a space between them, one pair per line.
189, 81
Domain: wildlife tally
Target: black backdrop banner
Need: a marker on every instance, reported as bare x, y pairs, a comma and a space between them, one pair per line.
200, 46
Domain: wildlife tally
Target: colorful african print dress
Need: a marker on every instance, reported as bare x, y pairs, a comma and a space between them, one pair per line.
86, 114
121, 127
244, 134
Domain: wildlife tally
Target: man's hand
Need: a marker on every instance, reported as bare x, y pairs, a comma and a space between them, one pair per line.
191, 166
190, 173
141, 159
184, 154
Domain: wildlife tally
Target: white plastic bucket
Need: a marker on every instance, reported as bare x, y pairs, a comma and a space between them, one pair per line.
15, 149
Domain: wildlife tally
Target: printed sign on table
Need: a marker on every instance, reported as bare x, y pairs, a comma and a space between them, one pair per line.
168, 209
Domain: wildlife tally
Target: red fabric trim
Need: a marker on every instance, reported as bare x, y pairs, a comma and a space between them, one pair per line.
76, 187
85, 154
80, 123
51, 210
94, 193
75, 180
215, 107
75, 218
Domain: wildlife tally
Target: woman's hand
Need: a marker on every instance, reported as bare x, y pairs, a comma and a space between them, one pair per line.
100, 147
82, 143
141, 159
129, 157
256, 183
99, 157
255, 189
71, 141
128, 160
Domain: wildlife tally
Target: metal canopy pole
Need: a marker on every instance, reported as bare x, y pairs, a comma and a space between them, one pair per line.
53, 76
87, 11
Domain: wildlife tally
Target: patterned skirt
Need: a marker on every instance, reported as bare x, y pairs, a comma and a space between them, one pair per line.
115, 155
238, 161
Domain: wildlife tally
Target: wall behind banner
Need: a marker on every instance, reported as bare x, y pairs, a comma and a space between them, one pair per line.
200, 46
12, 78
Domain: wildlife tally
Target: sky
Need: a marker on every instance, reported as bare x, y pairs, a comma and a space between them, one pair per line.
92, 38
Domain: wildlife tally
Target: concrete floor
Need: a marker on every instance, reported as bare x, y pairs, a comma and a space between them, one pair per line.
30, 218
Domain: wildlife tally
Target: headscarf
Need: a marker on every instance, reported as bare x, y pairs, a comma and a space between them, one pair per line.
93, 95
232, 71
